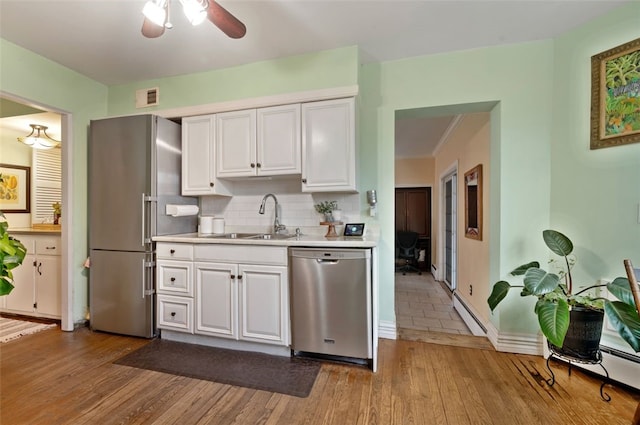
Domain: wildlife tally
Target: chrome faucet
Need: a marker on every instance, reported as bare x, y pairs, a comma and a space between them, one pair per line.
277, 227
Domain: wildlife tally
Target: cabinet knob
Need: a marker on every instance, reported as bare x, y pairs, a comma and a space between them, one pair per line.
304, 181
172, 251
173, 279
233, 276
210, 184
258, 165
173, 314
239, 277
253, 165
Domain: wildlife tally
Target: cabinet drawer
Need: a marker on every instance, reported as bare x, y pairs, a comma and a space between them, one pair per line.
254, 254
28, 241
174, 251
174, 277
48, 246
175, 313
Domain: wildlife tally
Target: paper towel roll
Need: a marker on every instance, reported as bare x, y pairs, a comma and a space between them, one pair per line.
182, 210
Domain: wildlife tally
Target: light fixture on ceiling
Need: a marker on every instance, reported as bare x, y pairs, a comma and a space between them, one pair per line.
157, 11
39, 139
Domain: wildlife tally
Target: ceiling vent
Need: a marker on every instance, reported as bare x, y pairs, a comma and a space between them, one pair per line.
147, 97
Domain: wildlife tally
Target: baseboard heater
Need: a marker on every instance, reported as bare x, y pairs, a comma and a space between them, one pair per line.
470, 314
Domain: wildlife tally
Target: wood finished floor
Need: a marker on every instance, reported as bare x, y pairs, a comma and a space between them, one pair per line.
55, 377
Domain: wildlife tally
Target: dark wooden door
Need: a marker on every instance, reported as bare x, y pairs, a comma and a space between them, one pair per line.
413, 210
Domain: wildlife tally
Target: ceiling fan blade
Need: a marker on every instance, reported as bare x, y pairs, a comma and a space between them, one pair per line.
224, 20
151, 30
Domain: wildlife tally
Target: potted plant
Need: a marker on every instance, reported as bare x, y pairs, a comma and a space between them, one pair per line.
566, 317
326, 208
12, 254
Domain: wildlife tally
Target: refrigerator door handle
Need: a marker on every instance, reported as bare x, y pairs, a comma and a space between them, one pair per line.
146, 265
144, 219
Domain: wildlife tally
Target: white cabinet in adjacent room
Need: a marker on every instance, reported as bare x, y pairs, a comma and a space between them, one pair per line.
37, 281
329, 146
198, 157
259, 142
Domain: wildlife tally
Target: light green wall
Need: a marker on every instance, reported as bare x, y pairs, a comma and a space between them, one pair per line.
325, 69
595, 193
34, 78
519, 77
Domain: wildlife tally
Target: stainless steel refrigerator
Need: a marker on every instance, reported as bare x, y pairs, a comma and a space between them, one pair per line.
134, 172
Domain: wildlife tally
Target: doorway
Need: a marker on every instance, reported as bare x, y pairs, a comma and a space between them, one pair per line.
67, 264
449, 232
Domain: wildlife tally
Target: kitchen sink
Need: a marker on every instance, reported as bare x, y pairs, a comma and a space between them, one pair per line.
270, 236
264, 236
231, 235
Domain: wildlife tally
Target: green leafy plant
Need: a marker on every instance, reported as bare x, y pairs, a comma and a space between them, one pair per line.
556, 298
12, 254
326, 207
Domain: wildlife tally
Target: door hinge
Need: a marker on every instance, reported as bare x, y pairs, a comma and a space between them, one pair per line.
35, 306
149, 198
149, 264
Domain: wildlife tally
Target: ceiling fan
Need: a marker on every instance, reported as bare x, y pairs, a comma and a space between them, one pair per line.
156, 17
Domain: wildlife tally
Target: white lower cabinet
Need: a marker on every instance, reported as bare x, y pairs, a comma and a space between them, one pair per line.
242, 301
37, 281
235, 292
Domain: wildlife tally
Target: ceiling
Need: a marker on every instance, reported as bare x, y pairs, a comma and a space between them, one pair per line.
101, 39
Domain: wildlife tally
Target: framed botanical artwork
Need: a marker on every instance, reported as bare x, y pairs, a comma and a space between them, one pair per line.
15, 189
615, 96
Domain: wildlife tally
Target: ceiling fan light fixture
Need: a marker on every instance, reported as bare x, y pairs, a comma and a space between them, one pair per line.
39, 139
156, 11
195, 10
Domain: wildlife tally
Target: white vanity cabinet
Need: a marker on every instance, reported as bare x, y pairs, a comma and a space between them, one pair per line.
329, 146
198, 157
37, 281
259, 142
242, 293
174, 286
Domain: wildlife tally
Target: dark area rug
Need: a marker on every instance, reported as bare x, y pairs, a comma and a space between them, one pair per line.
292, 376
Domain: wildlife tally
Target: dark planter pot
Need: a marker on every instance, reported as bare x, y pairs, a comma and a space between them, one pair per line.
583, 336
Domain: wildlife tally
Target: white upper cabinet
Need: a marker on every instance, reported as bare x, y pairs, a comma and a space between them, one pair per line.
236, 136
329, 146
259, 142
278, 144
198, 157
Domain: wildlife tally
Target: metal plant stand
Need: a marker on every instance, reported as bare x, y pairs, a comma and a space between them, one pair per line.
596, 360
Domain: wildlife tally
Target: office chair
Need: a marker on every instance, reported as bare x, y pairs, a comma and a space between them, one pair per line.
407, 250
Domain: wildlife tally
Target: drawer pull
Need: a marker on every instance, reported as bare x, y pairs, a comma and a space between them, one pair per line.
173, 314
172, 251
50, 247
173, 279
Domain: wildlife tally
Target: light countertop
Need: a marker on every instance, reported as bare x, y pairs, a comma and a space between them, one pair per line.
303, 240
35, 230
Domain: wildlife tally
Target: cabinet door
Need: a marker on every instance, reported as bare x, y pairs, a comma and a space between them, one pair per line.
278, 140
264, 311
198, 155
236, 140
216, 299
328, 146
48, 272
22, 298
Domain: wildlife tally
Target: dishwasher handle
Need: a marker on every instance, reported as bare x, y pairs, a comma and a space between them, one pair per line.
324, 261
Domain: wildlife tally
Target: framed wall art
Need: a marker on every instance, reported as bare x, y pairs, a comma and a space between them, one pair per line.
615, 96
15, 189
473, 203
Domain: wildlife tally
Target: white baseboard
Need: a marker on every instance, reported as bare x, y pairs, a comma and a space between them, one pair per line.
387, 330
514, 342
231, 344
469, 316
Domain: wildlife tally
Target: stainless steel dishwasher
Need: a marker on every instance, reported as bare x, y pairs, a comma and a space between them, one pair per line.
330, 292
